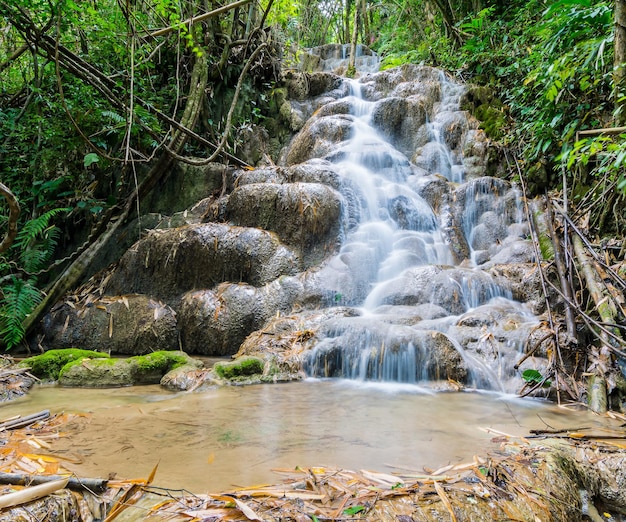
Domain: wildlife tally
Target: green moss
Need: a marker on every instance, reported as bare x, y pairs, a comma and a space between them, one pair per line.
242, 367
93, 362
160, 361
48, 365
482, 103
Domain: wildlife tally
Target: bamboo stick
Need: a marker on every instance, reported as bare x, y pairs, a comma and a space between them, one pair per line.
21, 422
609, 131
597, 392
30, 494
23, 479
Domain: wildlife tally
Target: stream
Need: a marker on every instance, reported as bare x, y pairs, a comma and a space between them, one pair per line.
236, 436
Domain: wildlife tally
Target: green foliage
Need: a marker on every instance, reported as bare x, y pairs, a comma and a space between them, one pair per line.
606, 155
354, 510
34, 244
534, 377
19, 298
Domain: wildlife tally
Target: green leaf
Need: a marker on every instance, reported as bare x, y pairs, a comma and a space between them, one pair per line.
533, 377
354, 510
90, 159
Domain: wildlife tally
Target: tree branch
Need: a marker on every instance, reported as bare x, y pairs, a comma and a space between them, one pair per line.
199, 18
14, 213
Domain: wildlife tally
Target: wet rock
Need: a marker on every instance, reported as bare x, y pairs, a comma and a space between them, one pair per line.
366, 348
490, 230
125, 324
527, 286
316, 171
334, 57
434, 189
406, 79
400, 120
304, 85
186, 185
454, 289
318, 138
216, 322
168, 263
306, 216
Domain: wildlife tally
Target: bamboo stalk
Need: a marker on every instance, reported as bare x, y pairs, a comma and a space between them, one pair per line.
21, 422
30, 494
609, 131
566, 288
597, 390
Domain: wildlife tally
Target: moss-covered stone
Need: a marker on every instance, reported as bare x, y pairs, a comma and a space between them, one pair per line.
48, 365
482, 103
141, 369
243, 367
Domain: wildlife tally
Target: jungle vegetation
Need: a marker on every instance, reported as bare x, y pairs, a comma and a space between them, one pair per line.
99, 97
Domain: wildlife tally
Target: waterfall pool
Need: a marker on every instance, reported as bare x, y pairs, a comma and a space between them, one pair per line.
234, 436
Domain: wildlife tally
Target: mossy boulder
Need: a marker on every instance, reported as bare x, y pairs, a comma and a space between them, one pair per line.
48, 365
141, 369
240, 369
484, 105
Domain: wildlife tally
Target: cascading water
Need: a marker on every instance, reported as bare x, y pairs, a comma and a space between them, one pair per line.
424, 314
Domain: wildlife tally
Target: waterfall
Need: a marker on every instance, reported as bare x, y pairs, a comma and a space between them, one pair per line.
422, 316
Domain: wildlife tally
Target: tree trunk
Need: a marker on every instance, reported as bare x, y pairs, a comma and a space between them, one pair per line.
619, 61
355, 34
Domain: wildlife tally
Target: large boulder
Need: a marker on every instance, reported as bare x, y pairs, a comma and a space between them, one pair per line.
305, 216
168, 263
125, 324
216, 322
402, 121
319, 137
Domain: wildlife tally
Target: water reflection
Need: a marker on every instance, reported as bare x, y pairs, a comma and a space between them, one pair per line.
232, 436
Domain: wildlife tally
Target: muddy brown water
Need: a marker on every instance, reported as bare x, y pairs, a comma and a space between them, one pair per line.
234, 436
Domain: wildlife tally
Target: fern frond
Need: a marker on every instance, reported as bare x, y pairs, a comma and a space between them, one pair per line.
37, 240
35, 227
18, 300
114, 116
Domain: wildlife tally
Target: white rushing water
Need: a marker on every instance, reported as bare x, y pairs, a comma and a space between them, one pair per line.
396, 264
